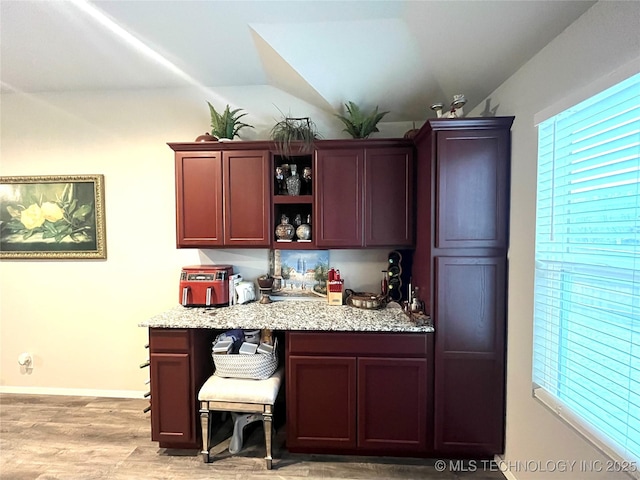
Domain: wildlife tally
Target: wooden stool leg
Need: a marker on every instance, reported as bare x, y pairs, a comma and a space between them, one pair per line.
205, 420
267, 419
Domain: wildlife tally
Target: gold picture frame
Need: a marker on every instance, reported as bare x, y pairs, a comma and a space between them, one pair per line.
52, 217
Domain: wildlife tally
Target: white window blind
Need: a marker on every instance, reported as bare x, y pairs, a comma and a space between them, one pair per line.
586, 352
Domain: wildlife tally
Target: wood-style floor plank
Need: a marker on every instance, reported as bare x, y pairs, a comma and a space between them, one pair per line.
85, 438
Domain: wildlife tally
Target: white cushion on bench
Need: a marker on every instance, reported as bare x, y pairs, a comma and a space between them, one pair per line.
240, 390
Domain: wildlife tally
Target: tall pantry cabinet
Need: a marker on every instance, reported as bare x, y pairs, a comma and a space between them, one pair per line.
460, 270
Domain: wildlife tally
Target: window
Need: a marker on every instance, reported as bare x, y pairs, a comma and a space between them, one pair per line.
586, 352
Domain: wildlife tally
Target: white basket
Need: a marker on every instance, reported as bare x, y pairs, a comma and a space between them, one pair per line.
258, 366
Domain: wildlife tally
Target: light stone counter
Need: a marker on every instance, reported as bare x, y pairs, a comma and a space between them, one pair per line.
291, 315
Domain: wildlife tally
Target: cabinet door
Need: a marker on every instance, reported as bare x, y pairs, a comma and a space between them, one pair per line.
392, 404
198, 199
171, 399
247, 194
469, 366
321, 402
338, 209
180, 364
388, 184
472, 189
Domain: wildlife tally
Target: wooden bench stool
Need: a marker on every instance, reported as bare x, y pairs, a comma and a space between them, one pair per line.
219, 394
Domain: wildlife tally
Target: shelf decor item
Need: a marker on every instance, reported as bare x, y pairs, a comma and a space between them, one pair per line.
456, 110
303, 231
359, 124
307, 182
206, 137
294, 135
280, 184
293, 181
284, 231
228, 124
52, 217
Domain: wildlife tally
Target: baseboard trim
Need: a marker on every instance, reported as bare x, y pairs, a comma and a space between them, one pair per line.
74, 392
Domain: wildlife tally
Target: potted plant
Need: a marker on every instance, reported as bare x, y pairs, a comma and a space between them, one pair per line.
290, 130
227, 124
359, 124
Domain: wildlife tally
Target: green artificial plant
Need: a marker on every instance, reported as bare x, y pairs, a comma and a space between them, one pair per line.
227, 124
293, 132
359, 124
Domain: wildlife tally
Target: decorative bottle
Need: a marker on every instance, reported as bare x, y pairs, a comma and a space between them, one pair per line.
303, 232
384, 285
293, 181
284, 231
280, 181
306, 182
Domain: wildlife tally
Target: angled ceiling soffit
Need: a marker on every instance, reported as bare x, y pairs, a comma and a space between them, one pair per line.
369, 62
282, 75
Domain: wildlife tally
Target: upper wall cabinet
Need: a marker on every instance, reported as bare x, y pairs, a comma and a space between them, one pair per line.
223, 198
339, 176
361, 194
364, 196
472, 194
388, 194
199, 199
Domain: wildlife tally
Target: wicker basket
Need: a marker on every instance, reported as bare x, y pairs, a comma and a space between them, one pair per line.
258, 366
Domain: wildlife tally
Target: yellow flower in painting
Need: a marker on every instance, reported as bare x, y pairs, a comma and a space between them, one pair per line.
32, 217
52, 212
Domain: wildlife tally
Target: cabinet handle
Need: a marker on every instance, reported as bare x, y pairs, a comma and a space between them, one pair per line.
148, 409
148, 394
145, 364
185, 296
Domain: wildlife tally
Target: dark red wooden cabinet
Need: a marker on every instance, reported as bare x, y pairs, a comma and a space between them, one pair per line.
180, 362
388, 184
364, 196
223, 198
199, 199
461, 260
247, 193
392, 404
359, 392
338, 208
321, 409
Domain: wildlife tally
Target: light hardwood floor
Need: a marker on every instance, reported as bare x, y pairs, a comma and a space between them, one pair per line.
87, 438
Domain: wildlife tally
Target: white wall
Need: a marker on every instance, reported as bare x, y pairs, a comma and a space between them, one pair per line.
604, 39
79, 317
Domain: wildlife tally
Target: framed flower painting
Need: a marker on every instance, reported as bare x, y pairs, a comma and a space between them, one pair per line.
52, 217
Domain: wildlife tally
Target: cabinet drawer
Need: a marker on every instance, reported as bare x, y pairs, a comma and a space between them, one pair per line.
358, 344
168, 340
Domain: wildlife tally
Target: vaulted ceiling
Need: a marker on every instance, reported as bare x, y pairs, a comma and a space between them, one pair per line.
401, 55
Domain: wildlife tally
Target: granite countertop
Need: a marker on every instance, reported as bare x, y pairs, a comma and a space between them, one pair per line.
291, 315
